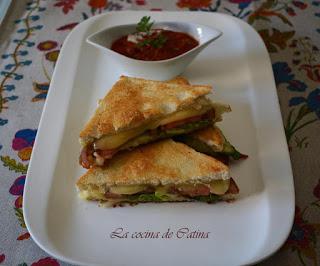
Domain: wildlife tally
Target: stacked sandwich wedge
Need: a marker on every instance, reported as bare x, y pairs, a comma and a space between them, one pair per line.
152, 141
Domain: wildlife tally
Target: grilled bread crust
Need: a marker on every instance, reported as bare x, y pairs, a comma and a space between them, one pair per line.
133, 102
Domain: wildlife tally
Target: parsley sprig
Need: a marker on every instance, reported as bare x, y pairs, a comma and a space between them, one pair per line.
156, 42
145, 25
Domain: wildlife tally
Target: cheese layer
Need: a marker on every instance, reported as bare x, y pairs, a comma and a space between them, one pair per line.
115, 141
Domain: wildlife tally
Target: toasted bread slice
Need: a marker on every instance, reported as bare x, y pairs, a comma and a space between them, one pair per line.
168, 168
133, 102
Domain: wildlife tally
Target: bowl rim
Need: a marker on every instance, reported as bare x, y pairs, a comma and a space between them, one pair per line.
88, 40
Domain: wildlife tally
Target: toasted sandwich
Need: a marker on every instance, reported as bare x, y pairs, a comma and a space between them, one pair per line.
164, 171
138, 111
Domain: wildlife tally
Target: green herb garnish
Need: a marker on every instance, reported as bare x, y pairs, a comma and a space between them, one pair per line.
144, 25
157, 42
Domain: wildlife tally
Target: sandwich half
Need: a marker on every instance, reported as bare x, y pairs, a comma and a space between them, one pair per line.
164, 171
138, 111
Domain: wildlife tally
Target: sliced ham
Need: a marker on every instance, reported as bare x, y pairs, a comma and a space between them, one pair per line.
193, 191
233, 188
110, 195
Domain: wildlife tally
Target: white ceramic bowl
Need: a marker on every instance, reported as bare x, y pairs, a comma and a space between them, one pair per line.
156, 70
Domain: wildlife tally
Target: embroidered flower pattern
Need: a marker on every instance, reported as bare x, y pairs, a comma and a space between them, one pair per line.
194, 3
23, 143
47, 45
303, 237
46, 262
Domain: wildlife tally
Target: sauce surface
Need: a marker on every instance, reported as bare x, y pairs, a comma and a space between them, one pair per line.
148, 49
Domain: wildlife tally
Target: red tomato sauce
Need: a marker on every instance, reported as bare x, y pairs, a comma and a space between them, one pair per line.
176, 43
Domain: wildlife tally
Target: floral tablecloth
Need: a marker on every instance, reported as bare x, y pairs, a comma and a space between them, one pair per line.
30, 39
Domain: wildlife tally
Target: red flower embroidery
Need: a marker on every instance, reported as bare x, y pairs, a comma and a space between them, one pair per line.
194, 3
47, 45
66, 5
24, 236
18, 185
316, 190
69, 26
299, 4
301, 232
140, 2
46, 262
290, 11
2, 258
312, 71
98, 3
303, 236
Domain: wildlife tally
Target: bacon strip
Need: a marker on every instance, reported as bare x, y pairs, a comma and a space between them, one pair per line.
193, 191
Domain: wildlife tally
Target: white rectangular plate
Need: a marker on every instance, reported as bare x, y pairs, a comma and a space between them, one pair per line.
244, 232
